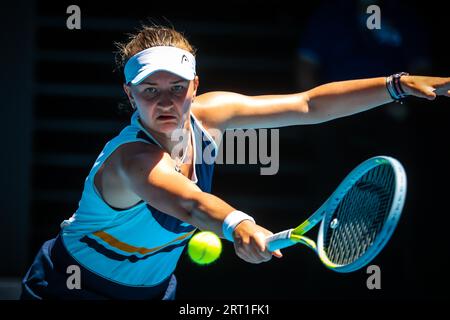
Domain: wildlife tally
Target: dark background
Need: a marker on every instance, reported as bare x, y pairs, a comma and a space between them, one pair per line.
60, 94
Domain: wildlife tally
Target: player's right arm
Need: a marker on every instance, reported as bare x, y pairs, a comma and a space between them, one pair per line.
149, 172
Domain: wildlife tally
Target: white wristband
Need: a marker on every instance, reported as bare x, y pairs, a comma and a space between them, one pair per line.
231, 221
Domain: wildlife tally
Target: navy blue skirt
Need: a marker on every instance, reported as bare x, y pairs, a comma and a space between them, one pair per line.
47, 279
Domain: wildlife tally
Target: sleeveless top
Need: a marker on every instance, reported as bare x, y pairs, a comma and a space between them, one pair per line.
138, 246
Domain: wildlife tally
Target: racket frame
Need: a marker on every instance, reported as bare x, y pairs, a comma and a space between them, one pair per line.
290, 237
392, 218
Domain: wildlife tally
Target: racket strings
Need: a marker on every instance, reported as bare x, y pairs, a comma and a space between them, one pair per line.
342, 242
360, 216
359, 230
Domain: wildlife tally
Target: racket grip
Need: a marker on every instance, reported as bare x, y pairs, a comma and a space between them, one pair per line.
279, 240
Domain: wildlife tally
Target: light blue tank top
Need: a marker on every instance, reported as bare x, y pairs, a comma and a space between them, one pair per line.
139, 246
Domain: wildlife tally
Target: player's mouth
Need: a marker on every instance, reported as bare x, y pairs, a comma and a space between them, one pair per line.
166, 117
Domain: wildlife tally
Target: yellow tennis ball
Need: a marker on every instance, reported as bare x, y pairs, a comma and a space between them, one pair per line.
204, 247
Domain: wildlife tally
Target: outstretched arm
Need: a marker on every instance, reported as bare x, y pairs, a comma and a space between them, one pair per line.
227, 110
344, 98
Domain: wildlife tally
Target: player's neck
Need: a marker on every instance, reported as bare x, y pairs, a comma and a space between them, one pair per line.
169, 140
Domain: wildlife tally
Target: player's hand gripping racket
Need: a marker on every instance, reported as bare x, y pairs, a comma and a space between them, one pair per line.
357, 219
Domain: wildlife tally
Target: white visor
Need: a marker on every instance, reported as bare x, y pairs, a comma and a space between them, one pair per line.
163, 58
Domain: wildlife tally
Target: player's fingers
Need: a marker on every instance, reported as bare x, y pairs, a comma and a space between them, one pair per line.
251, 256
246, 251
429, 93
257, 257
250, 252
247, 258
260, 240
262, 251
277, 253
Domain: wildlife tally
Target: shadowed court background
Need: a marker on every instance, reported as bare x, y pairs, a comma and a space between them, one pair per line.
59, 107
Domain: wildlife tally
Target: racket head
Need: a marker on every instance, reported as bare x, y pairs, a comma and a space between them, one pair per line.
362, 213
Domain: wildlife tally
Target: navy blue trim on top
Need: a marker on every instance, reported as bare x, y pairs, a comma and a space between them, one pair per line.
91, 243
203, 170
91, 282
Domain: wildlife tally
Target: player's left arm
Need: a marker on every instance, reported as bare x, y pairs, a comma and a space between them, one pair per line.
227, 110
344, 98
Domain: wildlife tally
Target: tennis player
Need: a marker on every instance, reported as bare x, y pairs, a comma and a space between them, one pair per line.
142, 201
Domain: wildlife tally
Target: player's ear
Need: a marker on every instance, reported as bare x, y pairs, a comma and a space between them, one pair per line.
127, 90
196, 84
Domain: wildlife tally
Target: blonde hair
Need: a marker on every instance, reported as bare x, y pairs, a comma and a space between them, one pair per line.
150, 36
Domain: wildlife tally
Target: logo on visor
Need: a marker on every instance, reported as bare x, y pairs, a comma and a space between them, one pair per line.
184, 59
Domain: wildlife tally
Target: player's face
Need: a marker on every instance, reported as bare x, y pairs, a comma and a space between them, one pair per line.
163, 100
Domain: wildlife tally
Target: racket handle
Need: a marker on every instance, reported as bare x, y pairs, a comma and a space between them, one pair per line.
279, 240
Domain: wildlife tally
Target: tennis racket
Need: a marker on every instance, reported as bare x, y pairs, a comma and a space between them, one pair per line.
357, 220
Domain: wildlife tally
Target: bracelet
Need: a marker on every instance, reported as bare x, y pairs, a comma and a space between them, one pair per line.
231, 222
394, 86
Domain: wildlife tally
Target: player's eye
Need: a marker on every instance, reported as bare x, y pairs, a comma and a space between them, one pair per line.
151, 90
177, 88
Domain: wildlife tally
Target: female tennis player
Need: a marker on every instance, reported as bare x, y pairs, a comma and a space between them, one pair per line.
143, 199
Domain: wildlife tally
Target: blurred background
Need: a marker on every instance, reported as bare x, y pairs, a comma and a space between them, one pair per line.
60, 94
